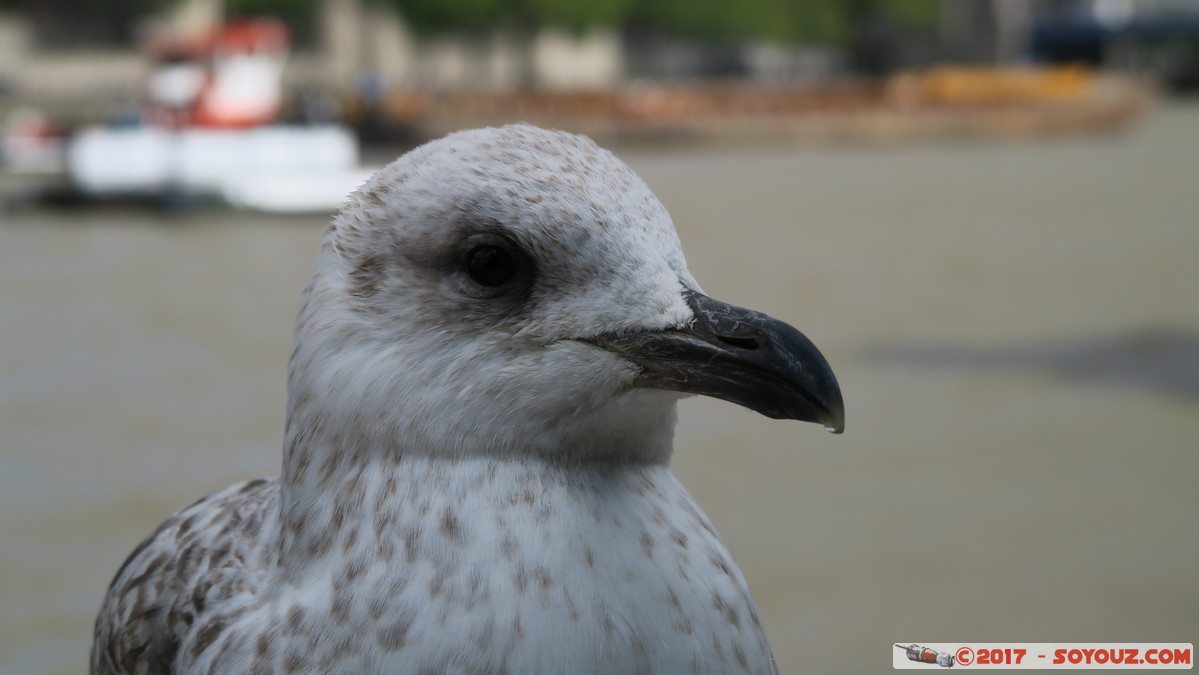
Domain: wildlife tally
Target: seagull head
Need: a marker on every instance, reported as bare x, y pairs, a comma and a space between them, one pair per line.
517, 291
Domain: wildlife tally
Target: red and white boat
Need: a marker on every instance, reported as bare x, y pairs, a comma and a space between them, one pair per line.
209, 128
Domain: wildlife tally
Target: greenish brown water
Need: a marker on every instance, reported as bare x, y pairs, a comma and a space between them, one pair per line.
1015, 327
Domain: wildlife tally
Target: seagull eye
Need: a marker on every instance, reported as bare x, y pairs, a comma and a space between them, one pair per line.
490, 266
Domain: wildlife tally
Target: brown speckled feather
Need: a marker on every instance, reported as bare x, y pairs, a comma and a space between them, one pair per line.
163, 595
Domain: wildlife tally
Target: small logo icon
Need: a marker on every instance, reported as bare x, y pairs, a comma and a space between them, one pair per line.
925, 655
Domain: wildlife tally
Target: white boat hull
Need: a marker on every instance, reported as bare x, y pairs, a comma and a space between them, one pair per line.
276, 168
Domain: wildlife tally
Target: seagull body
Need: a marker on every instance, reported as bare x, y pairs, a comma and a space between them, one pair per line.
481, 405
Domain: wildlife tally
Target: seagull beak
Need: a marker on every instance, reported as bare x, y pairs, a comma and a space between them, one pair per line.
737, 355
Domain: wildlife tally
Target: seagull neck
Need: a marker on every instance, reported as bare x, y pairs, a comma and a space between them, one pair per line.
380, 502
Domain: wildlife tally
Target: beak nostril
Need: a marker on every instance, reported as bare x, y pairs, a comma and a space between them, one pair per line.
748, 343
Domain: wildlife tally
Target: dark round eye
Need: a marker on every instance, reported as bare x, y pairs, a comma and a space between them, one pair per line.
490, 266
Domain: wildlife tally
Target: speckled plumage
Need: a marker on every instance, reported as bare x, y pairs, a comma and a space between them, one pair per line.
469, 485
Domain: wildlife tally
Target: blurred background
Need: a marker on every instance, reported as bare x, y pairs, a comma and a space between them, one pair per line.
982, 211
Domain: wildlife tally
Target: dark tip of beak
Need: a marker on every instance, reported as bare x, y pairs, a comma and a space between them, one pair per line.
793, 379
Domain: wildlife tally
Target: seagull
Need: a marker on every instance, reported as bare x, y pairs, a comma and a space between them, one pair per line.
481, 406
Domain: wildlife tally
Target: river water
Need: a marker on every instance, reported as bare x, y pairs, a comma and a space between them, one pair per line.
1015, 327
